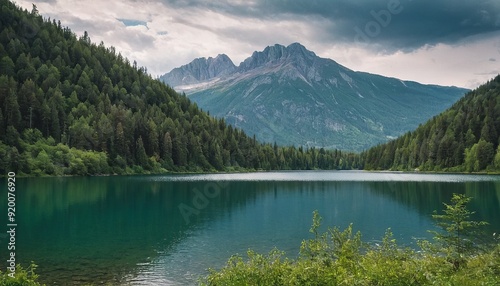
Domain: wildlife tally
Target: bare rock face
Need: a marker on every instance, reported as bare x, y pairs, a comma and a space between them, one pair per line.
200, 70
290, 96
295, 53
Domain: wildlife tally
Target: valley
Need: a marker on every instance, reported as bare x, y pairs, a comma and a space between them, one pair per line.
290, 96
121, 179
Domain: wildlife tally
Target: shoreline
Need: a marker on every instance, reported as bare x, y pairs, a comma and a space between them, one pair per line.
495, 173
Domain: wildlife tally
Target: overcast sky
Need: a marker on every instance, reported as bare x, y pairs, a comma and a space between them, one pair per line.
446, 42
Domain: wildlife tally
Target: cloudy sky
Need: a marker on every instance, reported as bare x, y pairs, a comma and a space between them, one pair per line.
447, 42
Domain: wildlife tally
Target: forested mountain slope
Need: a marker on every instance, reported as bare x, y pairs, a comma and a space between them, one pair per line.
69, 106
289, 95
463, 138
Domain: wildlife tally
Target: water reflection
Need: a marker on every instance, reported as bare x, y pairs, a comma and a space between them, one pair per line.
130, 230
100, 229
426, 197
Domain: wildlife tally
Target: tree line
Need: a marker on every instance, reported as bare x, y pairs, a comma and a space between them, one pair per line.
71, 107
465, 138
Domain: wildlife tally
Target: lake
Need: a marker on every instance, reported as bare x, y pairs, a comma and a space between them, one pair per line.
168, 229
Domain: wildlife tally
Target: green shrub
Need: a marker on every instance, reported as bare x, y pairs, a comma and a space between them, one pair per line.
22, 277
341, 258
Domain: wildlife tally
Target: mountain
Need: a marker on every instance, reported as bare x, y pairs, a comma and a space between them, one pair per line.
200, 70
463, 138
71, 107
289, 95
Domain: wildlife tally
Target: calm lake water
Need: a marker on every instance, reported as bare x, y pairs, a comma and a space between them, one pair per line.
167, 230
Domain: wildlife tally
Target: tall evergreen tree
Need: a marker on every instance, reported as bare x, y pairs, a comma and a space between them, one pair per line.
167, 151
140, 155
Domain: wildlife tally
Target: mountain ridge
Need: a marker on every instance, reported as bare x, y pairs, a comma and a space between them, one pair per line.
291, 96
271, 55
464, 138
249, 64
201, 69
71, 107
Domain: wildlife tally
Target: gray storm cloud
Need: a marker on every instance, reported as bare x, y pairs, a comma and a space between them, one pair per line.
418, 23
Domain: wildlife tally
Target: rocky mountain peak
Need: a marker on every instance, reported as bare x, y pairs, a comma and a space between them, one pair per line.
300, 62
291, 96
278, 54
298, 49
221, 60
199, 70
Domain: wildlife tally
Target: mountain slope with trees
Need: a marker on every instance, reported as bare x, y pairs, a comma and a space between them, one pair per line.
72, 107
289, 95
463, 138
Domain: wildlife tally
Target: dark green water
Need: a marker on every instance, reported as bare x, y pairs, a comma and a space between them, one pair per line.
131, 230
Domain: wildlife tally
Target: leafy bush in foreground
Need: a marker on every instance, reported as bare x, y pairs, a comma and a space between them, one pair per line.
22, 277
342, 258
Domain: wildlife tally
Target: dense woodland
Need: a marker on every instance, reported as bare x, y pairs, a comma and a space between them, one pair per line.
72, 107
465, 138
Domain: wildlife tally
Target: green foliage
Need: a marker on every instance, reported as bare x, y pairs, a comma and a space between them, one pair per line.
341, 258
45, 157
479, 156
22, 277
497, 158
456, 242
388, 264
104, 115
260, 269
335, 245
463, 138
141, 157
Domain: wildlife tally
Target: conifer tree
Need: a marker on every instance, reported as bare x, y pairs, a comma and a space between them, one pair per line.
140, 155
455, 240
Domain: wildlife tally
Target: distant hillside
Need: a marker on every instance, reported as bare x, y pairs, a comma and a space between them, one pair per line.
68, 106
290, 96
463, 138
